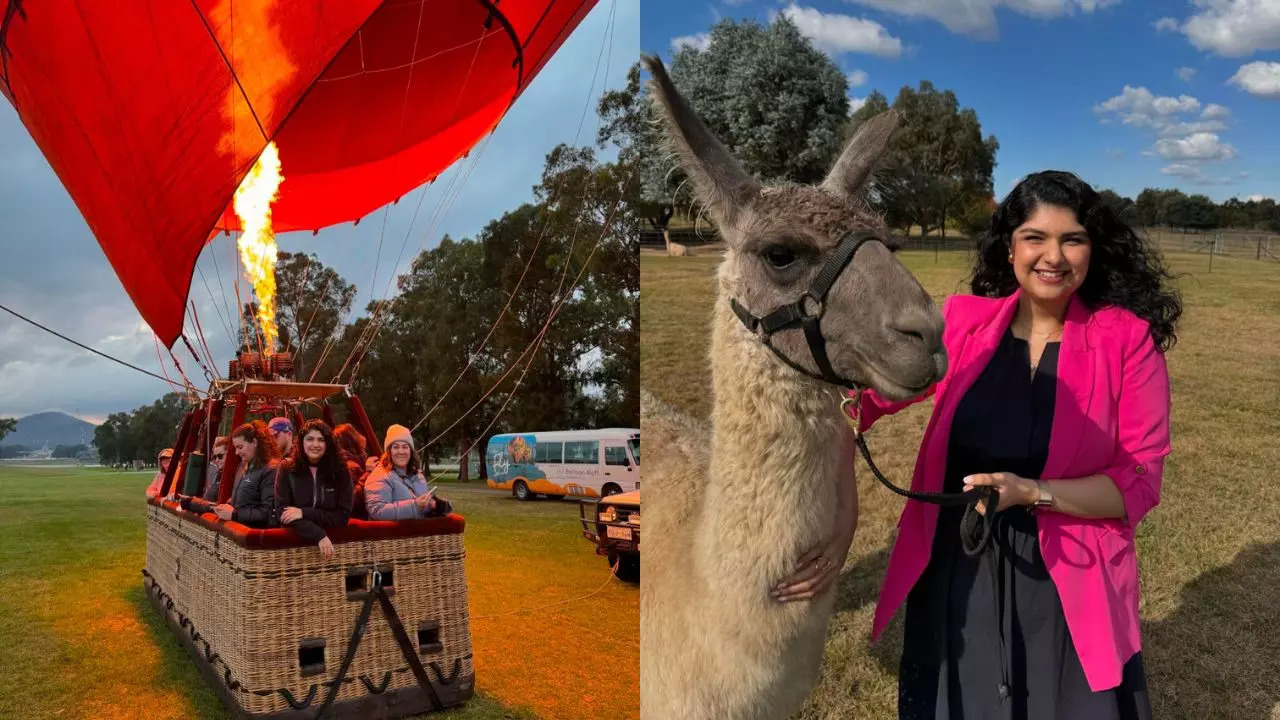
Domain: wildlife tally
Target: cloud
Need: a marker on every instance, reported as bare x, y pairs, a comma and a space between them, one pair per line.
1195, 174
1214, 111
977, 18
837, 34
700, 41
1199, 147
1234, 28
857, 78
1185, 73
1139, 107
1115, 153
1166, 24
53, 271
1258, 78
1257, 198
856, 103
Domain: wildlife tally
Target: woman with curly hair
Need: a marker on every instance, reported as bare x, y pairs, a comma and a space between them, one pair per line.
313, 489
1056, 397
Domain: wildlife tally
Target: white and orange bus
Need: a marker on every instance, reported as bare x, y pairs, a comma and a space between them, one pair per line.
581, 463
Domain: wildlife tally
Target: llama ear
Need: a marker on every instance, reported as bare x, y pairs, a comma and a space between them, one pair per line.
719, 182
853, 168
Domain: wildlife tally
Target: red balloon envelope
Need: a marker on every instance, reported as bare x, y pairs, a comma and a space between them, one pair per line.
151, 113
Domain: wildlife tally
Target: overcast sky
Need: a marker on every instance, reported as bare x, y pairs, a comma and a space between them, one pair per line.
53, 271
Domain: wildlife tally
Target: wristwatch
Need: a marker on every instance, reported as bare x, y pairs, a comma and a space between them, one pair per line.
1045, 499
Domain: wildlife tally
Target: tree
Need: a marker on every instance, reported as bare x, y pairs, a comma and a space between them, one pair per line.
1124, 208
311, 302
938, 164
774, 100
7, 425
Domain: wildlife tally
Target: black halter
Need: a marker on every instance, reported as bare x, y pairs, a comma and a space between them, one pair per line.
788, 315
807, 312
975, 530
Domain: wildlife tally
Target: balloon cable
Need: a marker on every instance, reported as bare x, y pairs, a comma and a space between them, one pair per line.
86, 347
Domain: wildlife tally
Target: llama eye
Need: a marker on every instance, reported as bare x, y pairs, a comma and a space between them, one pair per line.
779, 256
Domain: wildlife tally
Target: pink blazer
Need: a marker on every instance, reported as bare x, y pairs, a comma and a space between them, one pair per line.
1111, 416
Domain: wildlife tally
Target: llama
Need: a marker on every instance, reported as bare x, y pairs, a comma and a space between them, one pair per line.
731, 507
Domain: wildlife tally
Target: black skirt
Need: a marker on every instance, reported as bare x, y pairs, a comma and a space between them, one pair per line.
985, 637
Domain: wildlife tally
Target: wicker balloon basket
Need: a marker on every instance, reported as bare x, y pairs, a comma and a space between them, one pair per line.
379, 631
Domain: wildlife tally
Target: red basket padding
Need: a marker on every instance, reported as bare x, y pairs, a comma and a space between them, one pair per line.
355, 530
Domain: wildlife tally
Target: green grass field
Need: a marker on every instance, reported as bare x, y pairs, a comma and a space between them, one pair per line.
1209, 553
78, 638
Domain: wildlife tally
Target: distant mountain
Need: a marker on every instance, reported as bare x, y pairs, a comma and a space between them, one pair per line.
54, 428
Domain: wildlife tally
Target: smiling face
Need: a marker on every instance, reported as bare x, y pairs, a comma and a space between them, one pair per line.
313, 445
1051, 253
399, 452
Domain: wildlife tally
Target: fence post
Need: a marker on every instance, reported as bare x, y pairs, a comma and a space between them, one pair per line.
1212, 244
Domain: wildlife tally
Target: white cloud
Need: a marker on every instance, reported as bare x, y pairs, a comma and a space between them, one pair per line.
1166, 24
1234, 28
701, 41
1258, 78
1196, 174
857, 78
837, 34
1185, 73
1257, 198
977, 18
1199, 147
1140, 107
1115, 153
1214, 111
856, 103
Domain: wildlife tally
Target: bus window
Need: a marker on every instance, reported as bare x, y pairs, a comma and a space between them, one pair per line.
615, 455
583, 452
549, 452
635, 449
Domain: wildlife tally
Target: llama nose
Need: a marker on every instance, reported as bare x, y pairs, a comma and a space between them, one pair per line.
919, 325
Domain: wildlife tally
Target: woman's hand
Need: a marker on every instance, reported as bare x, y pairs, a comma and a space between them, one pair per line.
326, 547
290, 514
223, 511
1013, 489
818, 568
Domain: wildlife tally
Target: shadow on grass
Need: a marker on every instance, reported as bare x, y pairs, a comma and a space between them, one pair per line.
1218, 654
180, 674
860, 585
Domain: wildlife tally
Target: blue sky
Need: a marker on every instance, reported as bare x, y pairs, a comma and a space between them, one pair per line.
52, 269
1127, 94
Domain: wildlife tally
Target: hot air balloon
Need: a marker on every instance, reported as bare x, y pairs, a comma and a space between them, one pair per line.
168, 122
153, 113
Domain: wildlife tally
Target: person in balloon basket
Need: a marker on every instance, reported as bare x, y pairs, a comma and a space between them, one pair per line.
1057, 396
313, 489
396, 488
162, 461
351, 447
282, 430
252, 496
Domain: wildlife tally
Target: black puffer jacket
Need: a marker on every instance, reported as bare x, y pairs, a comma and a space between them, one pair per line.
254, 497
325, 501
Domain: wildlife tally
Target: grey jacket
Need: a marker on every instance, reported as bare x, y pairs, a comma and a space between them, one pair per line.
390, 496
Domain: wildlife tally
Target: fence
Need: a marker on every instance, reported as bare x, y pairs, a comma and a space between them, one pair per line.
1242, 244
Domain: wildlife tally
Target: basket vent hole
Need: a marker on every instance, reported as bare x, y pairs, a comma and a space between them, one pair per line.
429, 637
357, 581
311, 656
388, 577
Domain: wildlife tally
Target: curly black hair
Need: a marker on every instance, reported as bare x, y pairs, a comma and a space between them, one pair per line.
331, 462
1124, 270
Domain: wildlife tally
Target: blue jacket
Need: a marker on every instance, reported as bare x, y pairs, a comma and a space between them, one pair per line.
390, 496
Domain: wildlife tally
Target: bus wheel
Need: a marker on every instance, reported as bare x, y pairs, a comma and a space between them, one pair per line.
522, 491
610, 489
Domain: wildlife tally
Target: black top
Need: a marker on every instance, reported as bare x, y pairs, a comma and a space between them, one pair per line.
1004, 421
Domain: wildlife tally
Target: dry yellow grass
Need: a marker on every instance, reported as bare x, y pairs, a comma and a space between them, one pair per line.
1209, 554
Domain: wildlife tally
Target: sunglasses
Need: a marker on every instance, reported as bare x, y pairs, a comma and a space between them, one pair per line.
219, 456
